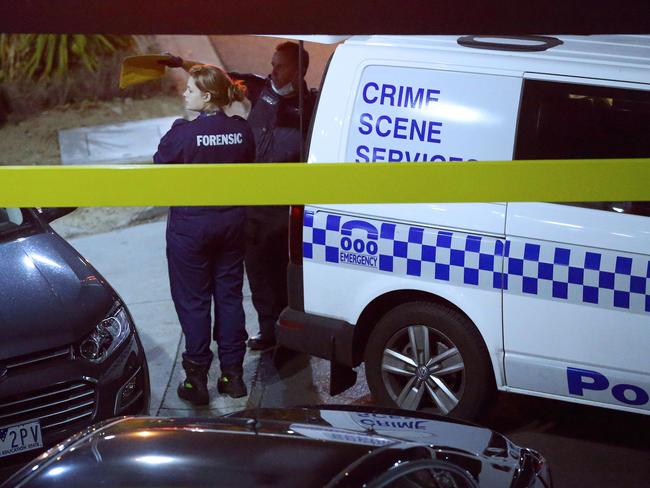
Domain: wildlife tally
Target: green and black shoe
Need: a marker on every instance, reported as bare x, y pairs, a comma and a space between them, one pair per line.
194, 388
232, 383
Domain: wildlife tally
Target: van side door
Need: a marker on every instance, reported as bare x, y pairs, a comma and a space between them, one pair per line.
576, 303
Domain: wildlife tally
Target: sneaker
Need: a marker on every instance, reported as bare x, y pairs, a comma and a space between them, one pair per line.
194, 388
232, 384
259, 343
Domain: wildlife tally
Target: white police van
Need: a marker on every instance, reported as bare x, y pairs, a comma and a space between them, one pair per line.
445, 303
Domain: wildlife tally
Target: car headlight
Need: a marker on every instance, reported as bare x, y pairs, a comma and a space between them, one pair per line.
106, 337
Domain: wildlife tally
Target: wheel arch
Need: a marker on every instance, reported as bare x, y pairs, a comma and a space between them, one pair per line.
382, 304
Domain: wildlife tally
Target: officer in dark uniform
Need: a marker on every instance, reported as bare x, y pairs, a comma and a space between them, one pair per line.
280, 134
205, 247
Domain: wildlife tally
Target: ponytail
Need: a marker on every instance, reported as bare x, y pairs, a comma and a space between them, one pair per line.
215, 81
236, 91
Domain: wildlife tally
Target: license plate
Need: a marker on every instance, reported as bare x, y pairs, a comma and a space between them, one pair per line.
20, 437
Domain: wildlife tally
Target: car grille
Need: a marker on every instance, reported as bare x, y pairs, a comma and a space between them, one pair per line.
54, 406
39, 358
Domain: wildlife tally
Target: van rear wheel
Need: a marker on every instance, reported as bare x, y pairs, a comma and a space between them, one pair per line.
426, 356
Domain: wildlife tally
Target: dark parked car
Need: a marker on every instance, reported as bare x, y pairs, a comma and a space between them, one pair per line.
70, 354
332, 446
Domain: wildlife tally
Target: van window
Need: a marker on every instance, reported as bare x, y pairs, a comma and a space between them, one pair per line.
574, 121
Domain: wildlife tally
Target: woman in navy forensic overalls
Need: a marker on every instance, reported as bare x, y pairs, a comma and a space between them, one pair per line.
205, 245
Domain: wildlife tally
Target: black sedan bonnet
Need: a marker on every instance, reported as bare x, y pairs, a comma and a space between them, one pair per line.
50, 296
338, 446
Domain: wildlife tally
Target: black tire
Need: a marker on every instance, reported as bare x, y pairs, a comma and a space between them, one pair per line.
402, 381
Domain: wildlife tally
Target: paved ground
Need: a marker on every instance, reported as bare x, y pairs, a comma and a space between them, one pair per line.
585, 446
133, 261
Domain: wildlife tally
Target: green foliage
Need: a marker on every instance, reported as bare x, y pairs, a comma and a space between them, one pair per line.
69, 80
44, 56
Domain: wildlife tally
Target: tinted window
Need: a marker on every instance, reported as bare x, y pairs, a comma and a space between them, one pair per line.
573, 121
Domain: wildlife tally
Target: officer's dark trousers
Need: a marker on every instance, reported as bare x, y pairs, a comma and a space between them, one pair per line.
267, 255
205, 255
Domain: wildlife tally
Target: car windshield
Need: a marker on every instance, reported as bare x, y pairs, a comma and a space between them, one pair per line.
14, 222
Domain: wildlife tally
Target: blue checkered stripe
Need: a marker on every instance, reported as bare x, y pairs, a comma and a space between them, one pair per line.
579, 275
571, 274
442, 255
321, 242
453, 257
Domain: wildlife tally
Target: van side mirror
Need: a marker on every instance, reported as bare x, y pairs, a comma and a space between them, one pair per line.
53, 213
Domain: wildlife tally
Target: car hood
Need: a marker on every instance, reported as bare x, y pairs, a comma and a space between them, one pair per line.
50, 296
308, 446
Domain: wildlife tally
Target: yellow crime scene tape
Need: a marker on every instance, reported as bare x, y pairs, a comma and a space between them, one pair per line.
300, 183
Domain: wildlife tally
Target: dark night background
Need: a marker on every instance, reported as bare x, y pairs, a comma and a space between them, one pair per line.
325, 17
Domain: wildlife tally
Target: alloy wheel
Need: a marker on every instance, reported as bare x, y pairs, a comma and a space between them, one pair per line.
422, 369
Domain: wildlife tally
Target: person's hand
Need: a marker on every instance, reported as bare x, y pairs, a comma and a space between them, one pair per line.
172, 61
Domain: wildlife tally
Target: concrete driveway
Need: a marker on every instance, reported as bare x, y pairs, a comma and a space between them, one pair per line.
133, 261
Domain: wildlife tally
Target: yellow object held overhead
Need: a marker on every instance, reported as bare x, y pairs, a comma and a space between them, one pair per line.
299, 183
139, 69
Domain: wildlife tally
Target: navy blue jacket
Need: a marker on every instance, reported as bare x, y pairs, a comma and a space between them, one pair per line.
207, 139
275, 120
212, 139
